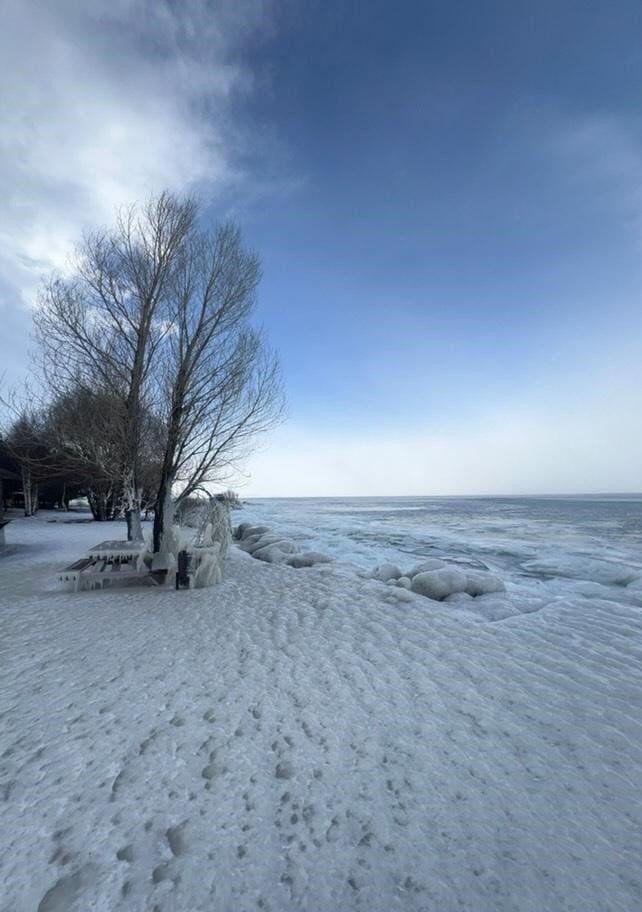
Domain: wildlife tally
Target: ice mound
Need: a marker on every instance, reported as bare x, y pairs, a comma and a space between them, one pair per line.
435, 579
385, 572
255, 542
276, 553
478, 583
268, 546
462, 599
398, 595
438, 584
245, 530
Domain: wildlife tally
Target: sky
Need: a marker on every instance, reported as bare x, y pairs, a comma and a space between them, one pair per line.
446, 196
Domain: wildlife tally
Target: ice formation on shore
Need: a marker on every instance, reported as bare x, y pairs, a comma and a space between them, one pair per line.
437, 580
265, 545
431, 577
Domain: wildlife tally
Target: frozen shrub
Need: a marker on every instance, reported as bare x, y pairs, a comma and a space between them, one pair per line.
214, 527
209, 570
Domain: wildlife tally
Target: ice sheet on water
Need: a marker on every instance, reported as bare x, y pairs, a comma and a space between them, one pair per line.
540, 547
580, 567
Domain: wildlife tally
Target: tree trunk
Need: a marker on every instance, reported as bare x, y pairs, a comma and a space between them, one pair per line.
163, 513
131, 500
134, 525
27, 490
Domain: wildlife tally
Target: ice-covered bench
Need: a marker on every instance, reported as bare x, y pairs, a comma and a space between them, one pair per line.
109, 562
71, 574
94, 573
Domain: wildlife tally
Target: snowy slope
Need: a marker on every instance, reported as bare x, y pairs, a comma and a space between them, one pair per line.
290, 740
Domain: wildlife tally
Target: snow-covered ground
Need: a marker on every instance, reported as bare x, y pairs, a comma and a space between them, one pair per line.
293, 739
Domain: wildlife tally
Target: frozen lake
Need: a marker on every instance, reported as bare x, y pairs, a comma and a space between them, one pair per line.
543, 547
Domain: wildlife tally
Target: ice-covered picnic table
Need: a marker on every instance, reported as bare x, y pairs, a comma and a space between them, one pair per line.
107, 562
119, 552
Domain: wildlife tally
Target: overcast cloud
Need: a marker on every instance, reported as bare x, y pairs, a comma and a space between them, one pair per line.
102, 103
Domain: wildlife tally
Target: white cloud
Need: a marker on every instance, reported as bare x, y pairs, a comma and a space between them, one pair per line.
104, 102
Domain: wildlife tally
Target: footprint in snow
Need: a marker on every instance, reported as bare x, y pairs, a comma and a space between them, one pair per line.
284, 770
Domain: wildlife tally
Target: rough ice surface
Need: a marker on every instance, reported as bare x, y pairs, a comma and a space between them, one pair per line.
426, 566
311, 739
307, 559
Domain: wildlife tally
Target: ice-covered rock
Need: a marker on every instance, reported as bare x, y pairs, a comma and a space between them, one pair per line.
255, 542
285, 545
271, 555
437, 584
275, 553
248, 544
431, 563
459, 598
398, 595
483, 583
308, 559
245, 530
404, 582
385, 572
268, 546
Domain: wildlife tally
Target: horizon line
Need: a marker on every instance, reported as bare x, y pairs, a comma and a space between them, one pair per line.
435, 496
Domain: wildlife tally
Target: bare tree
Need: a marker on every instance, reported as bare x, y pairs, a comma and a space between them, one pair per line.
26, 441
154, 322
84, 429
221, 386
102, 328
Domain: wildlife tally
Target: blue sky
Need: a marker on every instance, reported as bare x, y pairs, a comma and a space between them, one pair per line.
447, 198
